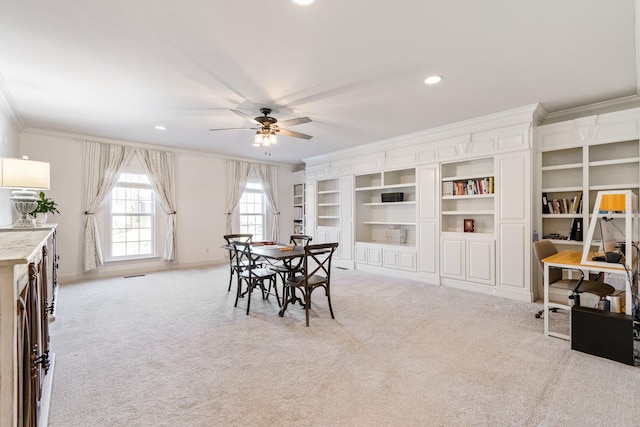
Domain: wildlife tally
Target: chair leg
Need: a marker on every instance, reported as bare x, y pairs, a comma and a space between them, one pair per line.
307, 304
230, 279
249, 292
238, 291
274, 281
329, 300
541, 312
285, 300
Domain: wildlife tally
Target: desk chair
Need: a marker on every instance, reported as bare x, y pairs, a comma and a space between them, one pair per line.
544, 249
234, 268
251, 273
317, 274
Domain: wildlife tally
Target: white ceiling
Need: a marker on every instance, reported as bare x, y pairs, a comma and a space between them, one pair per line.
115, 69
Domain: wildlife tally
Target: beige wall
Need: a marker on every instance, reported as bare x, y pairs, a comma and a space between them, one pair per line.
9, 145
201, 192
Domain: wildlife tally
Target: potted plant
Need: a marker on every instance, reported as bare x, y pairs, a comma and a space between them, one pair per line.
45, 206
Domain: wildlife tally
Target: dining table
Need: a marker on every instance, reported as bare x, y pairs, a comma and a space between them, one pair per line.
281, 254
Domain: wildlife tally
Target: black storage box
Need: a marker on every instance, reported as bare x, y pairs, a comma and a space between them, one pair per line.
602, 333
392, 197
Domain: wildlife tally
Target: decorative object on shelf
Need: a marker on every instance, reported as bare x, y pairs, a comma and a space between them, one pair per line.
469, 226
24, 175
396, 235
392, 197
45, 207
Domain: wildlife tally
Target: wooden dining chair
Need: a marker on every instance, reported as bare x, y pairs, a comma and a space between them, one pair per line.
233, 265
317, 274
251, 273
291, 267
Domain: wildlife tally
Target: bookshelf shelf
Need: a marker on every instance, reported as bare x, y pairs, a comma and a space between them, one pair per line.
466, 196
562, 167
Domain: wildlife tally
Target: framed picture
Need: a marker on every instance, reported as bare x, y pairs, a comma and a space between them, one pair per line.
469, 226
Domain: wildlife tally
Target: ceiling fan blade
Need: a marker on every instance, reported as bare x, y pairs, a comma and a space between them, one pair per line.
294, 134
236, 129
293, 122
251, 119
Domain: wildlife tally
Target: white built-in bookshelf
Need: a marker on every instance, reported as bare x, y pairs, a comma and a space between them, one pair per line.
580, 158
468, 191
299, 211
386, 207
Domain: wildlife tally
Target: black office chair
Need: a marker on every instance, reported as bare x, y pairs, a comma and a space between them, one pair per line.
544, 249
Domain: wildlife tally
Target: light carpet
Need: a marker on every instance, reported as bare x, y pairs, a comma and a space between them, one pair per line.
169, 349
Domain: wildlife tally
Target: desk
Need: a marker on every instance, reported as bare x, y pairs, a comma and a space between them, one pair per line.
572, 259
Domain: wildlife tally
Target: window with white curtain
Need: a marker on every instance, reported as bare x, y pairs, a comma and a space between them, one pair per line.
252, 211
132, 206
131, 217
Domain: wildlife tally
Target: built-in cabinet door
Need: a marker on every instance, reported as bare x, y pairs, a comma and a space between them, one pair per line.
326, 235
428, 192
361, 254
453, 254
407, 261
345, 250
514, 225
481, 261
428, 250
390, 258
374, 256
428, 225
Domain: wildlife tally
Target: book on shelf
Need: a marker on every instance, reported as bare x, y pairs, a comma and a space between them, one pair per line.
576, 203
468, 187
563, 205
545, 204
576, 230
448, 188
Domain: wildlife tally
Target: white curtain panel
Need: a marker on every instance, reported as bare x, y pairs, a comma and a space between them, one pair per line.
237, 174
268, 176
103, 165
160, 167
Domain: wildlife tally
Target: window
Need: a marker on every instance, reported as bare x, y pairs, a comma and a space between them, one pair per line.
252, 211
132, 218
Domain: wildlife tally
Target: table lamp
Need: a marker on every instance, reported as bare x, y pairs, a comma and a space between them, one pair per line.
24, 175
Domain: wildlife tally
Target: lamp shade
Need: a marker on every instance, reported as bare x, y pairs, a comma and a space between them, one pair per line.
18, 173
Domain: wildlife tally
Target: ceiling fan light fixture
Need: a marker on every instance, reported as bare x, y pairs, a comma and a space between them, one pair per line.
265, 138
431, 80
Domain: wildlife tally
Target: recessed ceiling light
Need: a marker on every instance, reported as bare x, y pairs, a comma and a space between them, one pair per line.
160, 127
303, 2
431, 80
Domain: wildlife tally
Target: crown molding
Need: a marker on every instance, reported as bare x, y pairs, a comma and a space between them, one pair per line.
611, 106
527, 114
142, 145
6, 101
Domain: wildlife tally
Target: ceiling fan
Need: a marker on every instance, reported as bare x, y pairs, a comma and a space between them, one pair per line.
269, 127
